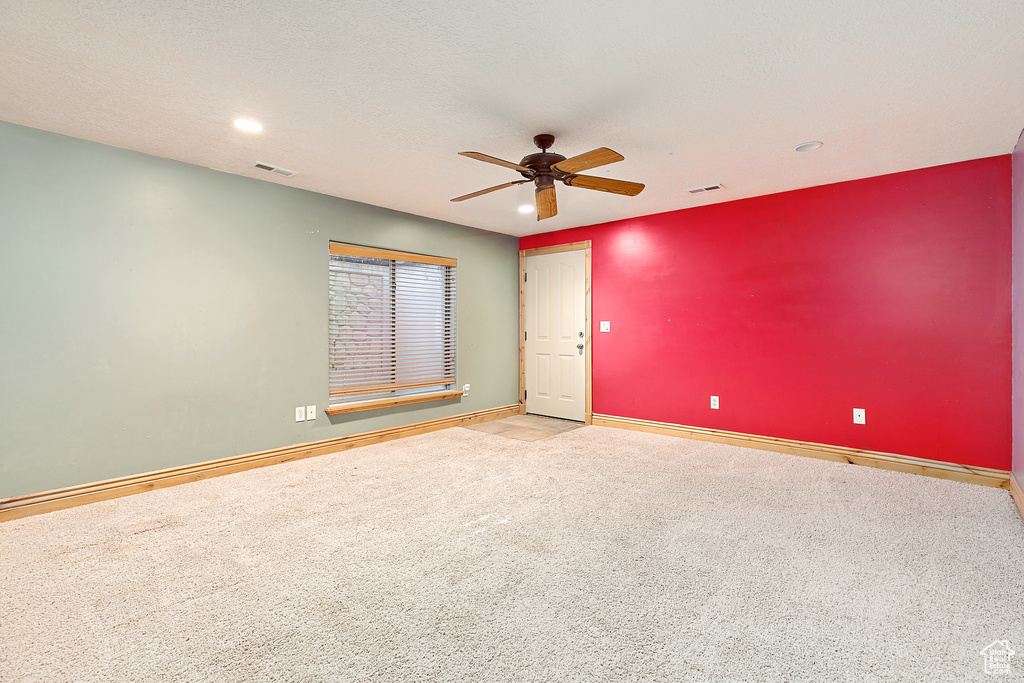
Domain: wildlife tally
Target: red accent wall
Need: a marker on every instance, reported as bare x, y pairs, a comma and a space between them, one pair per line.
890, 294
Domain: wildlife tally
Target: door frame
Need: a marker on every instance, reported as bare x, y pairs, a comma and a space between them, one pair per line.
523, 253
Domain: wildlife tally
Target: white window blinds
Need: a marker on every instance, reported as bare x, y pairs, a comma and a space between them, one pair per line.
392, 323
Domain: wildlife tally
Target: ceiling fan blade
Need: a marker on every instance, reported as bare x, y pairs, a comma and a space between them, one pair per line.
590, 182
494, 160
582, 162
546, 204
489, 189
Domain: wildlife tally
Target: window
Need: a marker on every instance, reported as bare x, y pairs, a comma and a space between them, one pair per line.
392, 328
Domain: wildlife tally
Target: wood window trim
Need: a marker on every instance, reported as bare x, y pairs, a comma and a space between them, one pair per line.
341, 249
358, 251
391, 401
384, 387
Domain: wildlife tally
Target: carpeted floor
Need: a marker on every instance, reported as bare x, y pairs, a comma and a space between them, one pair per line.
590, 554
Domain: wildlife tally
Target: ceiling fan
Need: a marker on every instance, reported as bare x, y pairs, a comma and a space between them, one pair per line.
544, 168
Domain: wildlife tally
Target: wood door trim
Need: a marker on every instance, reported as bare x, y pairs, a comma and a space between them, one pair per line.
1017, 492
571, 246
584, 246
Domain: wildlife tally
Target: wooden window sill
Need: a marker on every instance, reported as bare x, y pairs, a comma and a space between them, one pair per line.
392, 401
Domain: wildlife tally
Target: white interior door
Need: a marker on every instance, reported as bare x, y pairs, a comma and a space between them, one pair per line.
556, 344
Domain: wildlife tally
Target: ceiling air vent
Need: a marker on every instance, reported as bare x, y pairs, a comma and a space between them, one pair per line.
274, 169
709, 188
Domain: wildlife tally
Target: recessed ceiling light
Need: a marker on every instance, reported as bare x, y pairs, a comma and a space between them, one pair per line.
808, 146
525, 208
248, 126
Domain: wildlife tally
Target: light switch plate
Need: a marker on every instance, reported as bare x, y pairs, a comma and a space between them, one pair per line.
300, 414
465, 390
311, 412
606, 325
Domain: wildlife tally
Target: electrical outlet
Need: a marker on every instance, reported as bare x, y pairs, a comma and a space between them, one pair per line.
465, 390
714, 402
311, 412
858, 416
606, 325
300, 414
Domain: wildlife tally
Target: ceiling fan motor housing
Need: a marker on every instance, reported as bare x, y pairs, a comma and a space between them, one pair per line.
541, 163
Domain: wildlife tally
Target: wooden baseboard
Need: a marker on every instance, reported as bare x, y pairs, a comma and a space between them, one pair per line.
1018, 493
73, 496
854, 456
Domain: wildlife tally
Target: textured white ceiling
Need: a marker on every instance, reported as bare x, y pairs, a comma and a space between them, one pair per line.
371, 100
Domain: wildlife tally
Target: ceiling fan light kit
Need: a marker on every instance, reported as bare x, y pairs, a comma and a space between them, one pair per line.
544, 168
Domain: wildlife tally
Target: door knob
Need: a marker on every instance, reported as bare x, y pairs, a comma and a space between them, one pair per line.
580, 347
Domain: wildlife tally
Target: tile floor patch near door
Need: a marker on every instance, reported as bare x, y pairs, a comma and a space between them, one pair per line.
526, 427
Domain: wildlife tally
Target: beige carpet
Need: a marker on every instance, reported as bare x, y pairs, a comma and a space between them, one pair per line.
591, 554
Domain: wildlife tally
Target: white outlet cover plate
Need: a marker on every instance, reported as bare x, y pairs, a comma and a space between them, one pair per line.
606, 325
311, 412
300, 414
714, 402
858, 416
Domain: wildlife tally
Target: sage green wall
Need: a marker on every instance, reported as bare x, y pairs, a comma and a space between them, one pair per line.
155, 314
